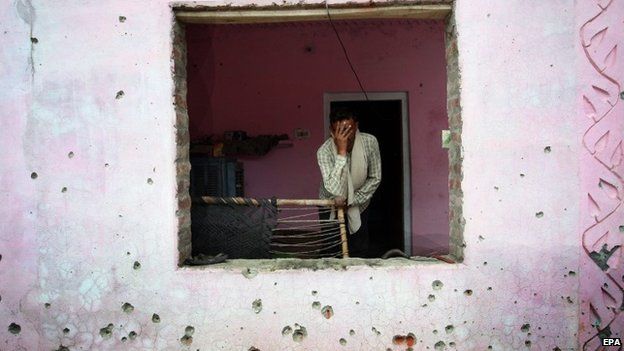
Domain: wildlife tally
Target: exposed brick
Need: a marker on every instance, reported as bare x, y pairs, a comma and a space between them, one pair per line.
183, 212
184, 203
455, 158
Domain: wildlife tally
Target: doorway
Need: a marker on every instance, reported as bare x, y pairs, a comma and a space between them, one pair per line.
384, 115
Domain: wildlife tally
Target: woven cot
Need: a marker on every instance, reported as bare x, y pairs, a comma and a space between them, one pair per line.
257, 229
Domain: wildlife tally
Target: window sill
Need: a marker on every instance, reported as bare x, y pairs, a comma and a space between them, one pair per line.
251, 267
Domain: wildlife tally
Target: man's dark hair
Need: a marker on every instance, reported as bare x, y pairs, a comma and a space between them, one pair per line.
340, 114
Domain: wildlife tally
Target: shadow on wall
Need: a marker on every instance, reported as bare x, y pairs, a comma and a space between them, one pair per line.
429, 244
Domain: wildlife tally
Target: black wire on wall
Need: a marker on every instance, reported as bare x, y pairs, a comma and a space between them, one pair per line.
345, 51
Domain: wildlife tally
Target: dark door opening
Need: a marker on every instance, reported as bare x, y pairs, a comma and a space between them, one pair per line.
382, 118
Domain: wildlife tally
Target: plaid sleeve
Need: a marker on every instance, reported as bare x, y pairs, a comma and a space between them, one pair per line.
331, 165
365, 193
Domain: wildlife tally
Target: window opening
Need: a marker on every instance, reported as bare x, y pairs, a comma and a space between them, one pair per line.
290, 231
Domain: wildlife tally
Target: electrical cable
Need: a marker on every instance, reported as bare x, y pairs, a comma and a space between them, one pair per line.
345, 51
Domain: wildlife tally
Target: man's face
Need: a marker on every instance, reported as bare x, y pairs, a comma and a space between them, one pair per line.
353, 127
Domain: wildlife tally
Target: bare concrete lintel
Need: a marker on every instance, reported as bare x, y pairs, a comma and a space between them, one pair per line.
295, 14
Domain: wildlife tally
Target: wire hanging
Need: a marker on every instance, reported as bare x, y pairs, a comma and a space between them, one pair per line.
345, 51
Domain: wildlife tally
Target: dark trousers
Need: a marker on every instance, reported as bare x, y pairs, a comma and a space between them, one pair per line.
358, 242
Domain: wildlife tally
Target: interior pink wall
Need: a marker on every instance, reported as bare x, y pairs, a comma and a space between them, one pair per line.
270, 79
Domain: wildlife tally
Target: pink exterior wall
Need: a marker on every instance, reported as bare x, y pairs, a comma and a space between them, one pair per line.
600, 110
261, 79
524, 74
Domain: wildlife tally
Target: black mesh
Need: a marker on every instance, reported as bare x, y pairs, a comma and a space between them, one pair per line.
235, 230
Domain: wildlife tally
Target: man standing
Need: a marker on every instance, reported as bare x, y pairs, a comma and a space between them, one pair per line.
351, 169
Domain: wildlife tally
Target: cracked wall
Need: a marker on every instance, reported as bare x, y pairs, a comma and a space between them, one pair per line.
88, 238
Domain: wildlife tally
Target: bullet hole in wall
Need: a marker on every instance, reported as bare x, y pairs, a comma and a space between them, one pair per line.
256, 305
150, 181
327, 312
14, 328
64, 189
155, 318
547, 149
437, 285
47, 305
249, 273
299, 333
136, 265
119, 94
128, 308
65, 330
33, 175
525, 328
122, 19
352, 332
431, 297
410, 339
601, 257
342, 341
70, 154
107, 331
286, 330
34, 40
539, 214
398, 339
187, 339
316, 305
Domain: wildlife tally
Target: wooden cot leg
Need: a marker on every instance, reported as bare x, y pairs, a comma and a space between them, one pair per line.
343, 232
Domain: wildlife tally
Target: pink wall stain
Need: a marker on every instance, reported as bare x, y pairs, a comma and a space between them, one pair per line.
270, 79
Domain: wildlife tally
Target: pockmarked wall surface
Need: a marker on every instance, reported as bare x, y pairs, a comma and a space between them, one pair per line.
601, 111
88, 232
270, 79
